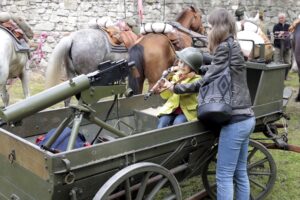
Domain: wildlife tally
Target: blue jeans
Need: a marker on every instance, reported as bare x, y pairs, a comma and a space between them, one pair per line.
172, 119
232, 160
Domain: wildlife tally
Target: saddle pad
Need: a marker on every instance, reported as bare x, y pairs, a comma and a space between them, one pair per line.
20, 45
114, 48
118, 48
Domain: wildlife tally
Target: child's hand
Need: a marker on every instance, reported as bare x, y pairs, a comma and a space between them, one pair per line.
174, 68
168, 85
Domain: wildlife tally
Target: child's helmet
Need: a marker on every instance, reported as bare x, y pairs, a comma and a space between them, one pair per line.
192, 57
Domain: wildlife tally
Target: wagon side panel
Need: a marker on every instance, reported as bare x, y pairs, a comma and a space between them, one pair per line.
24, 172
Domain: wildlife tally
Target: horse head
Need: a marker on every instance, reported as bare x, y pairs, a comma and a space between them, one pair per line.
254, 19
191, 18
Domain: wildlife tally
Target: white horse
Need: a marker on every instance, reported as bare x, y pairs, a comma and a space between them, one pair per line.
249, 30
12, 65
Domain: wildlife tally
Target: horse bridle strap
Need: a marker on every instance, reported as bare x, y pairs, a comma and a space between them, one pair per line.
190, 32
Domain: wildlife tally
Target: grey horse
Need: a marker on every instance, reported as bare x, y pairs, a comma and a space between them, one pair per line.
12, 65
81, 52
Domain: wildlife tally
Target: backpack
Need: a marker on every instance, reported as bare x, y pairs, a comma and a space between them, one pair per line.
61, 142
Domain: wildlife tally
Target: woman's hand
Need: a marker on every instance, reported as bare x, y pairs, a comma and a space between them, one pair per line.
159, 86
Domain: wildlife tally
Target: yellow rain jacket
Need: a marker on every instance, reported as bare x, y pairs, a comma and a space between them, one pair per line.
187, 102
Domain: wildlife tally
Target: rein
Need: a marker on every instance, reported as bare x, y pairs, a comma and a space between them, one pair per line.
38, 54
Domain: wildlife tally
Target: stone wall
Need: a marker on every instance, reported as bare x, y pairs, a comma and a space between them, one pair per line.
60, 17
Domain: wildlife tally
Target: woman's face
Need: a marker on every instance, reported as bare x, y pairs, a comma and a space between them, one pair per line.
184, 68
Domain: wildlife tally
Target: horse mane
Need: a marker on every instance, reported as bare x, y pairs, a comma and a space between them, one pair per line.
183, 14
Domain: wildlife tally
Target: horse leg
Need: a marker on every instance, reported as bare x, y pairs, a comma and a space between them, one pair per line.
4, 94
297, 61
294, 63
25, 80
4, 66
297, 99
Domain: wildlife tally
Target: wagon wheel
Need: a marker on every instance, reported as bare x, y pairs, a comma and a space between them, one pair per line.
140, 181
261, 171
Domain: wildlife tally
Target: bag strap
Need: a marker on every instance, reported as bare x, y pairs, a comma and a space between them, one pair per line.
230, 52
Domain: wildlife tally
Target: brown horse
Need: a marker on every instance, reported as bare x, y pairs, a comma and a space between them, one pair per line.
155, 52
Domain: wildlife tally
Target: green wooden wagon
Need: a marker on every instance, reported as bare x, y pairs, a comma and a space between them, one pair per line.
135, 160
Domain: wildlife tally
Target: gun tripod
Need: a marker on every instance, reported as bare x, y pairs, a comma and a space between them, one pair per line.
79, 112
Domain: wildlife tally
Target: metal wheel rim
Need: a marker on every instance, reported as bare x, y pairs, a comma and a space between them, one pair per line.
123, 176
254, 147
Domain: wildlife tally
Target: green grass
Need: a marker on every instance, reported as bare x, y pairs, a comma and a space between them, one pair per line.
36, 85
288, 163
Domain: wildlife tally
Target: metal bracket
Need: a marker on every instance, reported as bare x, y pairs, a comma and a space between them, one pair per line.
118, 124
14, 197
12, 156
70, 177
74, 193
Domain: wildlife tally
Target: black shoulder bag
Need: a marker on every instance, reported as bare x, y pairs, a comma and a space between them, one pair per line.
214, 99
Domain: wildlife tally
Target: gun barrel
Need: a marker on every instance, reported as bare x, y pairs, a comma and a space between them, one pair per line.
45, 99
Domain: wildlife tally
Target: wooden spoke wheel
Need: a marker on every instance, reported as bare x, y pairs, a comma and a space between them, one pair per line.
141, 181
261, 171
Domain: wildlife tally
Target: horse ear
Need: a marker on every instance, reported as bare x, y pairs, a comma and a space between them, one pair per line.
256, 18
193, 8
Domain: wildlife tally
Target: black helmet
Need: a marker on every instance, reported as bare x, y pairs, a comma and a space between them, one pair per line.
192, 57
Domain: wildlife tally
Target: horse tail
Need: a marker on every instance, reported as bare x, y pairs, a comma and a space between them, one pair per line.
58, 56
136, 54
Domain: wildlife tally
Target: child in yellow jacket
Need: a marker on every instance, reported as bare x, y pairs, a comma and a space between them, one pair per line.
181, 108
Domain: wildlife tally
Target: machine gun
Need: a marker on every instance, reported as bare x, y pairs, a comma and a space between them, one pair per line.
89, 88
164, 75
108, 80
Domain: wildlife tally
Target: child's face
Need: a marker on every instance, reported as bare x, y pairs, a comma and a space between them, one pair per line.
184, 68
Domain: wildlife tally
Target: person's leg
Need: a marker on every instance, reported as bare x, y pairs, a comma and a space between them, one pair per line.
230, 144
179, 119
242, 189
277, 56
226, 162
165, 120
